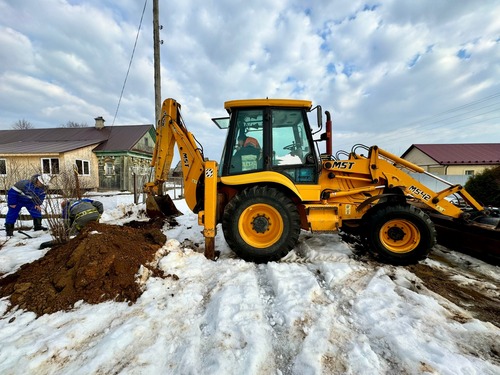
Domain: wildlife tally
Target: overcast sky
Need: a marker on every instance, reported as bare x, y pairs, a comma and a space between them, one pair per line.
391, 72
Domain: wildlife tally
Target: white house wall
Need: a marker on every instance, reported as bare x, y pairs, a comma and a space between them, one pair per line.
421, 159
20, 167
461, 169
23, 166
68, 160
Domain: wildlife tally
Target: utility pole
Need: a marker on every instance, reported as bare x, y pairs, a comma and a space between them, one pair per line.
157, 66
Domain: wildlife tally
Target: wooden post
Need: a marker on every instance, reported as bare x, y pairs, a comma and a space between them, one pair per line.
135, 187
77, 183
156, 58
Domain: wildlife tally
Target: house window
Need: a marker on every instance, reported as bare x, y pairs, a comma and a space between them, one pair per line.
83, 167
109, 168
3, 167
469, 172
50, 166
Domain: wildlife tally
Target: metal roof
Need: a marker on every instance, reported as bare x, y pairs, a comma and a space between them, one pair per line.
33, 147
464, 153
57, 140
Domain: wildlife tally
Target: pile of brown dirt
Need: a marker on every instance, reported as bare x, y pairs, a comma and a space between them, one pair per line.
99, 264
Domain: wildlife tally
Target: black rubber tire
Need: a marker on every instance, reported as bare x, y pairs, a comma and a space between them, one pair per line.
261, 212
400, 234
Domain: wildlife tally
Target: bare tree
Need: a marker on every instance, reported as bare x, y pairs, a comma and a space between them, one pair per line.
68, 184
22, 125
73, 124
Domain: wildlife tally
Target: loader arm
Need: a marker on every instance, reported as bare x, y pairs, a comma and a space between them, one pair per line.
395, 177
169, 132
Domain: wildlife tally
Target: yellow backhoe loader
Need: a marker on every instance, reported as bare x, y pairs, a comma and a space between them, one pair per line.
272, 182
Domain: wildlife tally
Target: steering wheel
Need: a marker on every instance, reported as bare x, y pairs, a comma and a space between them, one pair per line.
291, 147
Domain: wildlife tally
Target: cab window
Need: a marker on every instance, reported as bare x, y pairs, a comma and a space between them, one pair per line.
246, 155
291, 151
290, 144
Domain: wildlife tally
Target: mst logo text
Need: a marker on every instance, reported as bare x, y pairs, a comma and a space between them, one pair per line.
343, 164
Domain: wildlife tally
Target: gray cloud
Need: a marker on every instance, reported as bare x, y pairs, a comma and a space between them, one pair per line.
384, 69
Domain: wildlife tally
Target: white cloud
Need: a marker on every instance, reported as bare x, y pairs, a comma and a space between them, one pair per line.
378, 67
15, 51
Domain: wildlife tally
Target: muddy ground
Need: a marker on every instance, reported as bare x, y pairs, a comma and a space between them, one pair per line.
479, 297
100, 264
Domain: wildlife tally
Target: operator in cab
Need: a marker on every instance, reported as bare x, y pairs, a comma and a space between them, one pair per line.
246, 141
248, 154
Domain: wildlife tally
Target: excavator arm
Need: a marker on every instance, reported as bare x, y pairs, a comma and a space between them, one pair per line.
169, 132
200, 175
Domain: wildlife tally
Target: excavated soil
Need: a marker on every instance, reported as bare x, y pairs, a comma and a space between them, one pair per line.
100, 264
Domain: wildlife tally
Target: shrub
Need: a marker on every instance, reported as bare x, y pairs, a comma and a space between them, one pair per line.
485, 187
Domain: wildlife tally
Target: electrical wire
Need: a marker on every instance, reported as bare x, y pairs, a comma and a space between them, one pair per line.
130, 62
444, 118
457, 109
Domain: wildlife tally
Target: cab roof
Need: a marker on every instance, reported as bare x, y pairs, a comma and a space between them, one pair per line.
243, 103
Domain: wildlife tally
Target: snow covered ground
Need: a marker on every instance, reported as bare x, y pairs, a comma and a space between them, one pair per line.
319, 311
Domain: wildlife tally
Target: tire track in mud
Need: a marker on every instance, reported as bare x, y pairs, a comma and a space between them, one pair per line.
408, 285
342, 331
324, 327
464, 283
293, 323
461, 284
341, 276
350, 333
281, 346
297, 329
231, 320
454, 276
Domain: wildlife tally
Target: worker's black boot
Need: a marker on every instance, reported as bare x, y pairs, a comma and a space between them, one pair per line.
37, 224
9, 228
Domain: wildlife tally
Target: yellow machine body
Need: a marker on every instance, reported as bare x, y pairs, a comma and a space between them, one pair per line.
269, 187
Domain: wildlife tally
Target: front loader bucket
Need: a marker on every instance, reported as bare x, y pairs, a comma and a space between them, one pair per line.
493, 221
161, 206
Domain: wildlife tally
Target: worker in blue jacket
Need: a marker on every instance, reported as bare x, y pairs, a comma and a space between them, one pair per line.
78, 212
30, 194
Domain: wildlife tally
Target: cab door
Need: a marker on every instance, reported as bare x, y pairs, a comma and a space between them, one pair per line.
292, 151
245, 143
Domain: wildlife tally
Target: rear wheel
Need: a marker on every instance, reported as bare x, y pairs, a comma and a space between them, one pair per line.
400, 234
261, 224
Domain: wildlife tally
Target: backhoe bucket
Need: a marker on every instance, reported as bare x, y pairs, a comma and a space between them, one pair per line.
161, 206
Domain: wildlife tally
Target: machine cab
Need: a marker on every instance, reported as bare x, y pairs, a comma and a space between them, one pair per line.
269, 135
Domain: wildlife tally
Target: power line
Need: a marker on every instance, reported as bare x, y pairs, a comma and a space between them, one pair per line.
456, 109
459, 112
130, 62
446, 121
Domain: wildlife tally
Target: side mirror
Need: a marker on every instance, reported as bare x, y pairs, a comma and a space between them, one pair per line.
319, 115
319, 119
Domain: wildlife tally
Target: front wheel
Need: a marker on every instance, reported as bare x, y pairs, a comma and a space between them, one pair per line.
400, 234
261, 224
